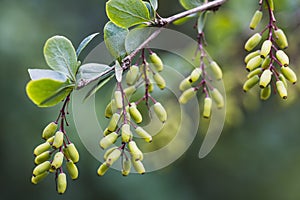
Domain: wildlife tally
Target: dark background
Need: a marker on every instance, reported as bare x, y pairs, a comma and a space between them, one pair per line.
257, 156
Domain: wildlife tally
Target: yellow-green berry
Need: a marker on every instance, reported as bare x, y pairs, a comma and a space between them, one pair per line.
138, 166
49, 130
282, 58
160, 112
135, 113
255, 72
281, 39
207, 107
135, 152
126, 133
102, 169
143, 134
58, 139
113, 122
283, 79
195, 75
266, 63
132, 75
254, 63
250, 83
187, 95
61, 183
41, 168
113, 157
159, 80
119, 99
129, 91
36, 179
108, 151
57, 160
185, 84
42, 157
72, 153
217, 97
72, 169
253, 41
265, 78
41, 148
289, 74
256, 19
265, 48
155, 59
251, 55
216, 69
265, 93
282, 91
126, 167
108, 140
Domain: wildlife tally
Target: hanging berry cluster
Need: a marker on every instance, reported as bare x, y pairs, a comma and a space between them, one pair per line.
269, 64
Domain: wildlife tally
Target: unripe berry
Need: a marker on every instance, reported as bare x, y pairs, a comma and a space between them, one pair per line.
36, 179
42, 157
265, 93
58, 139
41, 148
255, 19
49, 130
126, 133
216, 70
207, 107
50, 140
72, 169
155, 59
113, 157
113, 122
195, 75
271, 4
126, 167
41, 168
102, 169
185, 84
283, 79
143, 134
255, 72
106, 132
251, 55
266, 63
217, 97
254, 63
265, 78
57, 160
135, 152
108, 140
108, 151
72, 152
160, 112
61, 183
187, 95
282, 58
253, 41
119, 99
159, 80
108, 109
129, 91
281, 89
135, 113
132, 75
138, 166
289, 74
265, 48
150, 87
281, 39
250, 83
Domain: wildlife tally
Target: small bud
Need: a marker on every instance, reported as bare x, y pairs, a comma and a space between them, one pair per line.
41, 168
113, 157
108, 140
42, 157
195, 75
160, 112
282, 58
207, 107
119, 99
58, 139
36, 179
250, 83
102, 169
253, 41
254, 63
143, 134
265, 48
129, 91
132, 75
185, 84
155, 59
265, 78
216, 69
159, 80
254, 72
135, 113
255, 19
138, 166
251, 55
61, 183
72, 169
41, 148
126, 133
265, 93
281, 89
108, 151
266, 63
187, 95
289, 74
49, 130
126, 167
281, 39
57, 160
135, 151
113, 122
72, 152
217, 97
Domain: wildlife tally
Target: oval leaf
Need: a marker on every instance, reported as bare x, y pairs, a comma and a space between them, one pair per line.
127, 13
114, 38
189, 4
47, 92
201, 22
136, 37
60, 55
85, 42
36, 74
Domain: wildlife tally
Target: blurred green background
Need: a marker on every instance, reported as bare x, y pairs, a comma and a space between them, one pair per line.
257, 156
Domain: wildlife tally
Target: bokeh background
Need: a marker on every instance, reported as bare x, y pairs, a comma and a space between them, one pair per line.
257, 156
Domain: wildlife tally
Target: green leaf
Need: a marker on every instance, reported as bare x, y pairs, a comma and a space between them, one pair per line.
114, 38
136, 37
85, 42
154, 4
150, 9
36, 74
127, 13
48, 92
118, 72
90, 72
98, 86
189, 4
60, 55
201, 22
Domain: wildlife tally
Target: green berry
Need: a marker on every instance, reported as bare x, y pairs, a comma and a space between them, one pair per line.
61, 183
58, 139
102, 169
254, 63
72, 169
216, 69
255, 19
72, 152
129, 91
187, 95
126, 167
143, 134
160, 112
155, 59
159, 80
135, 152
57, 160
266, 48
281, 39
106, 132
36, 179
265, 93
282, 58
126, 133
108, 109
49, 130
185, 84
283, 79
113, 122
195, 75
266, 63
132, 75
250, 83
255, 72
265, 78
41, 168
207, 107
108, 151
42, 157
289, 74
138, 166
251, 55
218, 98
282, 91
108, 140
119, 99
41, 148
113, 157
253, 41
135, 113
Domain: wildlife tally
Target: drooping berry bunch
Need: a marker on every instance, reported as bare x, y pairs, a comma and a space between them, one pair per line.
125, 116
50, 155
269, 64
